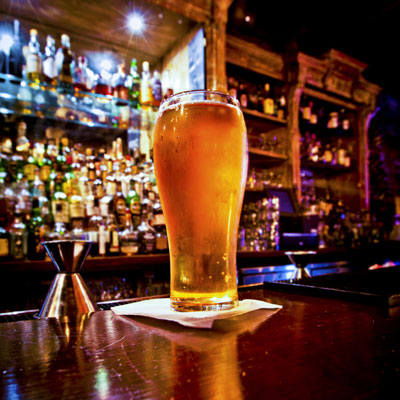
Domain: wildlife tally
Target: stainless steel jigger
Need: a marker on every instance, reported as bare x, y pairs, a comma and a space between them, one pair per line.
68, 296
300, 260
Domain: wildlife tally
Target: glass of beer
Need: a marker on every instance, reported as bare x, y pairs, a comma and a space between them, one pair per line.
200, 160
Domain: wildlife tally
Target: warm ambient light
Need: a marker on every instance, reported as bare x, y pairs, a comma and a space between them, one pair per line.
135, 23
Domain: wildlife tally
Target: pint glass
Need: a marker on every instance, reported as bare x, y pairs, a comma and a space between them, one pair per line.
200, 160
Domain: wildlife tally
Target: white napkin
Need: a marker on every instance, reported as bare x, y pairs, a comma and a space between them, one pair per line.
160, 309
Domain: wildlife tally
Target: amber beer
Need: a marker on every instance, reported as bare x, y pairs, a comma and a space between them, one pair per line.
200, 158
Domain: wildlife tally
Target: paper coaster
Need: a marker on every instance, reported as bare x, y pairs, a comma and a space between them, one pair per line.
160, 309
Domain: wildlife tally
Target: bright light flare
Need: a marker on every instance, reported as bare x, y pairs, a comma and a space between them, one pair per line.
6, 42
135, 23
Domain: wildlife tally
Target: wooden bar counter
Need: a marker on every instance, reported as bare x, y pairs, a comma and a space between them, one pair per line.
313, 348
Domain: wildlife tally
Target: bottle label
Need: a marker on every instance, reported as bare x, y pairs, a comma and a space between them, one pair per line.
44, 173
120, 206
102, 240
3, 247
32, 63
49, 68
60, 211
161, 243
29, 171
269, 106
77, 210
158, 219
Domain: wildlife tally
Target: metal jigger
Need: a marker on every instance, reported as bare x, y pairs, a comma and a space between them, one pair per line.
68, 297
300, 259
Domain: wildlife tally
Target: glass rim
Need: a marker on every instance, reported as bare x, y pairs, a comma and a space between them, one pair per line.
175, 96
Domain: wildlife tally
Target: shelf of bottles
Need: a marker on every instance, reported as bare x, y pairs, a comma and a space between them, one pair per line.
59, 85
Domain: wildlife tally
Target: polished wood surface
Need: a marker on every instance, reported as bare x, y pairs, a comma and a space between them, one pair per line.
313, 348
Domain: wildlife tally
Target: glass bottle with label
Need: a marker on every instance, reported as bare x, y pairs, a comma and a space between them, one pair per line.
35, 234
156, 88
4, 241
49, 62
65, 64
134, 84
16, 56
18, 236
145, 86
129, 237
269, 104
33, 60
59, 202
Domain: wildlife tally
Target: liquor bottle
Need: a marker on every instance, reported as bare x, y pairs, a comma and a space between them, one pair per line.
49, 62
18, 236
83, 76
119, 82
65, 64
95, 222
120, 87
158, 223
119, 205
167, 85
133, 203
33, 60
242, 95
134, 84
16, 56
156, 88
233, 87
4, 241
30, 165
281, 107
45, 165
252, 98
268, 100
341, 153
145, 86
112, 232
129, 241
103, 84
59, 202
147, 235
76, 208
35, 234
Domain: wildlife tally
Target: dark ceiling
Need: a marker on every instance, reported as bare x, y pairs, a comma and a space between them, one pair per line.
368, 31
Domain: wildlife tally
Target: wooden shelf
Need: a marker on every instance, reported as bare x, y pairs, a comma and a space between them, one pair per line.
267, 154
259, 114
325, 168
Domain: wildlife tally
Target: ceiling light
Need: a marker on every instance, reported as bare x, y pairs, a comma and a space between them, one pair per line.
135, 23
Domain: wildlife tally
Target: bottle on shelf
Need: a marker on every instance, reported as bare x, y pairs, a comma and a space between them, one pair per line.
129, 242
35, 234
16, 55
156, 88
33, 60
65, 64
83, 76
119, 83
268, 100
134, 84
146, 93
18, 236
49, 62
243, 95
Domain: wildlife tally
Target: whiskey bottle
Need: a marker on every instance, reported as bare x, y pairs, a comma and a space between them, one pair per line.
134, 84
145, 86
33, 60
156, 88
129, 237
65, 64
35, 234
268, 100
18, 236
16, 56
49, 62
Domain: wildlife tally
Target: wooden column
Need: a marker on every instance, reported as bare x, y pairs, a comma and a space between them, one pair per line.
215, 33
